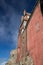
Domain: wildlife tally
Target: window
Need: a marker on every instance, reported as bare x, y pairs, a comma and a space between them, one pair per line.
22, 31
37, 26
12, 55
28, 17
23, 37
24, 24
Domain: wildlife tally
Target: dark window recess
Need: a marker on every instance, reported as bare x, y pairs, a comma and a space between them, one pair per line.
13, 55
23, 37
41, 5
22, 64
27, 54
26, 59
23, 42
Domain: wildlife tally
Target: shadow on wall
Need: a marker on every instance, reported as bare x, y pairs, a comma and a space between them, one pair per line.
41, 4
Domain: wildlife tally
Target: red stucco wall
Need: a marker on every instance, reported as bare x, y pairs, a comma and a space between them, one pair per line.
35, 37
19, 48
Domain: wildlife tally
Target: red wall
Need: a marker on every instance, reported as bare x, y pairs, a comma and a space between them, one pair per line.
19, 47
35, 37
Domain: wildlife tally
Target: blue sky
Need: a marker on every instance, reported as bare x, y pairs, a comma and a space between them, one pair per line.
10, 15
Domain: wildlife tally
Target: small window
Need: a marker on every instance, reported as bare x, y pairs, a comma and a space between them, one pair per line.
23, 37
24, 24
22, 31
28, 17
13, 55
37, 26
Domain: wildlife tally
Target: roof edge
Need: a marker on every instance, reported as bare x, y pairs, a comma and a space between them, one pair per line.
32, 12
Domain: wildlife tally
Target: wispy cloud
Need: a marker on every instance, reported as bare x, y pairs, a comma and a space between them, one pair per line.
9, 26
10, 19
10, 14
3, 61
15, 38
